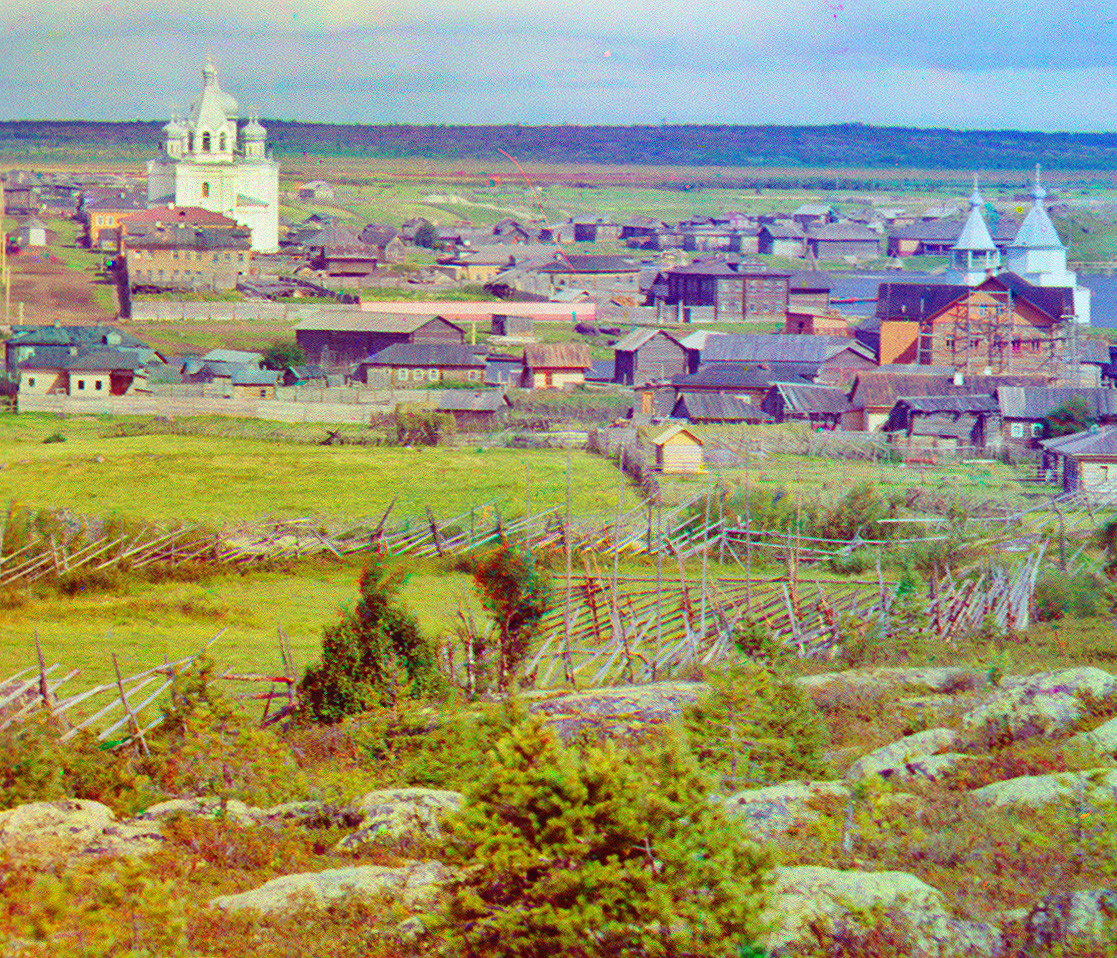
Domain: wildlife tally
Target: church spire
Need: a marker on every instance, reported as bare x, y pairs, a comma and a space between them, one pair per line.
975, 253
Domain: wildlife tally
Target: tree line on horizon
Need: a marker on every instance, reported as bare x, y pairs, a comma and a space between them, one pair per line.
844, 145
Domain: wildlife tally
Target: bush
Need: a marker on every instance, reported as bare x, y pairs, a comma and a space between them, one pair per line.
368, 657
1082, 596
598, 852
754, 728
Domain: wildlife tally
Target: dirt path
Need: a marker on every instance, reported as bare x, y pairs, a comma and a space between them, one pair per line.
52, 293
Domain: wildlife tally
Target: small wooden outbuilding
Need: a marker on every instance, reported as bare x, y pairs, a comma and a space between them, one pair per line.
678, 451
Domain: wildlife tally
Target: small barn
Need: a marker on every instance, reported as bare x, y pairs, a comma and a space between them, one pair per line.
33, 233
475, 410
1084, 460
678, 451
825, 407
647, 355
555, 365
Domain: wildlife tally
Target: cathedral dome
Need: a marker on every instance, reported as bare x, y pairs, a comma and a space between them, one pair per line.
254, 131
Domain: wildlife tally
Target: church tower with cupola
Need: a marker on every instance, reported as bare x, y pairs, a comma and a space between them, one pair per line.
1039, 256
203, 163
974, 255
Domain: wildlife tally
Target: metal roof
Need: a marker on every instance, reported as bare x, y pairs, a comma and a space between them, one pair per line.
779, 347
639, 336
729, 376
232, 356
958, 403
249, 375
358, 320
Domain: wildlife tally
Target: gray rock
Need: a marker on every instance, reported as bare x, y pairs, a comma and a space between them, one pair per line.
406, 814
1044, 704
617, 711
1102, 739
412, 885
51, 828
1078, 917
311, 814
840, 900
944, 680
779, 808
233, 811
901, 752
1037, 790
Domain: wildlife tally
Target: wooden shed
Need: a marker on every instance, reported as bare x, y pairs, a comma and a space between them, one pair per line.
645, 355
678, 451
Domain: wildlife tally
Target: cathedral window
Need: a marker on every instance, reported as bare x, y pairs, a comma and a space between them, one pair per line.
205, 142
189, 142
221, 143
205, 189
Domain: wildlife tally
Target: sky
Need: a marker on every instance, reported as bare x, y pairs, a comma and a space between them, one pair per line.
967, 64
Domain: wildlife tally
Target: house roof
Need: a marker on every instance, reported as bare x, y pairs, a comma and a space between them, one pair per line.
804, 398
812, 209
194, 215
339, 242
730, 376
249, 375
837, 232
557, 356
944, 426
376, 235
590, 263
670, 432
1097, 441
427, 354
784, 231
780, 347
105, 359
954, 403
639, 337
810, 279
187, 235
716, 407
233, 356
876, 389
1035, 402
358, 320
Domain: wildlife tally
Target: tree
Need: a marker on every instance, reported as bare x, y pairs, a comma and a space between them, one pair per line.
604, 851
369, 656
282, 355
426, 235
515, 591
1075, 415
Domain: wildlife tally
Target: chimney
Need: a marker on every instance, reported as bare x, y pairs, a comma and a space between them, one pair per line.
958, 377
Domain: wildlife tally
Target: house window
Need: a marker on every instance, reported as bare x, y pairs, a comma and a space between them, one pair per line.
1037, 429
81, 384
97, 384
240, 257
205, 142
190, 142
31, 381
401, 375
221, 143
432, 375
1017, 430
205, 190
472, 374
263, 393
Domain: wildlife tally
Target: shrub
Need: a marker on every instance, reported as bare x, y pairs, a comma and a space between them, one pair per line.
598, 852
515, 590
369, 656
755, 642
753, 727
1083, 596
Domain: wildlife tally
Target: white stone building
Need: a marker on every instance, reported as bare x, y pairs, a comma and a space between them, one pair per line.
207, 162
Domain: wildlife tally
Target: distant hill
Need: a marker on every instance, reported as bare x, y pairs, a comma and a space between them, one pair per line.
847, 145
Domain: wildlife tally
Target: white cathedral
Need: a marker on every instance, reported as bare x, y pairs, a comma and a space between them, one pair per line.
204, 164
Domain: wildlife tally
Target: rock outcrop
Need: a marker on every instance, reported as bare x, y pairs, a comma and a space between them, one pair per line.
617, 712
401, 814
411, 884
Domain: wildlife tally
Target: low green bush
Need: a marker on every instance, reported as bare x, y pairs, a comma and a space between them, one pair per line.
1083, 596
601, 851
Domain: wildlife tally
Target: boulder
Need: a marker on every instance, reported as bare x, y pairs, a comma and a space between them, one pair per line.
1044, 704
944, 680
620, 712
311, 814
899, 753
233, 811
779, 808
401, 814
412, 884
1037, 790
1079, 917
849, 902
1102, 739
53, 828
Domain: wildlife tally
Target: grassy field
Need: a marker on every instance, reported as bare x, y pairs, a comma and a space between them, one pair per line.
228, 481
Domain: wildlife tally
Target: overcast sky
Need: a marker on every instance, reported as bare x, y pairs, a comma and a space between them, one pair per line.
962, 64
